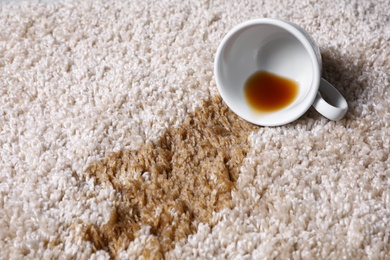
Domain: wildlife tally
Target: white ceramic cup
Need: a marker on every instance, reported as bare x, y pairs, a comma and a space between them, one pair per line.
281, 48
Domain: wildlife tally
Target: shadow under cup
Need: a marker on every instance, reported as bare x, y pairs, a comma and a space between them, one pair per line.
277, 48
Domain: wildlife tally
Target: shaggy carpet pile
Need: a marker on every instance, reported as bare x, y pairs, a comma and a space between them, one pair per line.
115, 143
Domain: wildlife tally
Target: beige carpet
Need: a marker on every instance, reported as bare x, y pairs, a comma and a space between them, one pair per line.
116, 144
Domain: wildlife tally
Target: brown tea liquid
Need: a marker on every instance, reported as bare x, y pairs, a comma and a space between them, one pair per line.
267, 92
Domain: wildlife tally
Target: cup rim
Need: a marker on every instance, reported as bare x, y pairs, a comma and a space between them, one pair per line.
304, 105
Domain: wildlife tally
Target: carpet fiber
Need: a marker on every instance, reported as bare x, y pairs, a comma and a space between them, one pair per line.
116, 144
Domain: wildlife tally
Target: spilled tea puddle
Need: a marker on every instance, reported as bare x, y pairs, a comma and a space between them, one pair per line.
174, 184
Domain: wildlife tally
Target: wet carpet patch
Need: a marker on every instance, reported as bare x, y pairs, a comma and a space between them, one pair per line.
173, 184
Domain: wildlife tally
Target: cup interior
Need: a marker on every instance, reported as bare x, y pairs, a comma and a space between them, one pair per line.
269, 47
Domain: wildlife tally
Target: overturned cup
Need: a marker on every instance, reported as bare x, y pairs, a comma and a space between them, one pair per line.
283, 51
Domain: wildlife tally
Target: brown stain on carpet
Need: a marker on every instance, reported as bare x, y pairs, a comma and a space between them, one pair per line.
174, 184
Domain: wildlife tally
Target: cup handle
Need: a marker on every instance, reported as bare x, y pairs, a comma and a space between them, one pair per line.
335, 106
